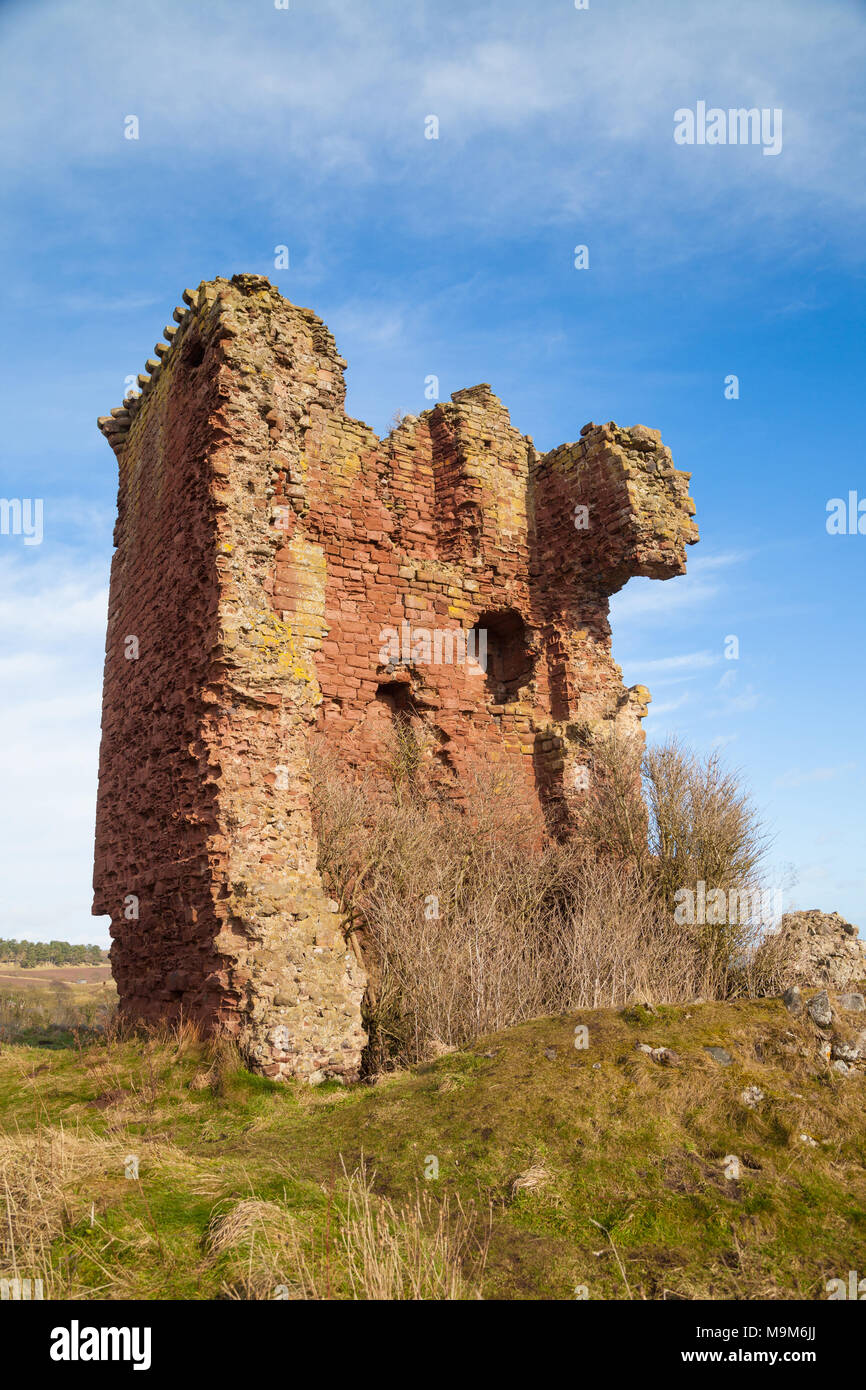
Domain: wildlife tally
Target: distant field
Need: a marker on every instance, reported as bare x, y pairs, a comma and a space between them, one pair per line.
46, 974
48, 1005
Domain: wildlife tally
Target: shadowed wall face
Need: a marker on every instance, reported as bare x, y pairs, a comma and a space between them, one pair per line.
284, 576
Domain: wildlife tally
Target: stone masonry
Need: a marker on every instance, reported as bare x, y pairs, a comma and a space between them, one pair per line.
282, 575
821, 949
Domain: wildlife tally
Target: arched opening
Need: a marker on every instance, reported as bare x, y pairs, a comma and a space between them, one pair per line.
397, 698
404, 744
193, 353
501, 647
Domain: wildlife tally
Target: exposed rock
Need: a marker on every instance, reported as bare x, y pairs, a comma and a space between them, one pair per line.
665, 1056
851, 1003
752, 1096
793, 1000
821, 949
819, 1009
720, 1054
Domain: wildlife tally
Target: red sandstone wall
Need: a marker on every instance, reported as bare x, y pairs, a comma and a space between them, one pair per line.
266, 545
156, 802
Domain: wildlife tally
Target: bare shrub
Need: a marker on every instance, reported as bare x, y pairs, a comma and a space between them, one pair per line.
701, 827
28, 1008
763, 968
473, 921
703, 824
613, 815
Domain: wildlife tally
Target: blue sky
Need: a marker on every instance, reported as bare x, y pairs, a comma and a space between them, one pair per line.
305, 127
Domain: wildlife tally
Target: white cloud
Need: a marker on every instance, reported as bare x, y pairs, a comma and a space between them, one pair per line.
691, 662
653, 600
798, 778
740, 704
723, 740
553, 113
52, 627
668, 706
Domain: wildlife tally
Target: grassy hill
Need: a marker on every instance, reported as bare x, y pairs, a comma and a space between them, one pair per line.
595, 1170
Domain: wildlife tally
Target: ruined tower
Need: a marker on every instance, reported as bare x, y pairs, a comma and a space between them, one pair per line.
283, 575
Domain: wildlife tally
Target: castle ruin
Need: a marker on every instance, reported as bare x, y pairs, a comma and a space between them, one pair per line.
282, 575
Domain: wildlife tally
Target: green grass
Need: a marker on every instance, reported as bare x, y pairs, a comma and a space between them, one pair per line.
628, 1158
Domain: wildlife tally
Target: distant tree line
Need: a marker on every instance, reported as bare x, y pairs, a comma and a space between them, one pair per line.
30, 953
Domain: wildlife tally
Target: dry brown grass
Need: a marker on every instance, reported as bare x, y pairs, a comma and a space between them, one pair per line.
536, 1176
373, 1249
56, 1179
46, 1188
31, 1004
473, 921
415, 1250
38, 1186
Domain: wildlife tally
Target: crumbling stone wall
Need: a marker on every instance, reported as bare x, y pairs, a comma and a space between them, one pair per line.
283, 575
820, 949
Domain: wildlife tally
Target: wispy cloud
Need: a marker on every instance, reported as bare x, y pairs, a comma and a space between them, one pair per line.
52, 631
798, 778
731, 701
653, 600
576, 106
668, 706
689, 662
